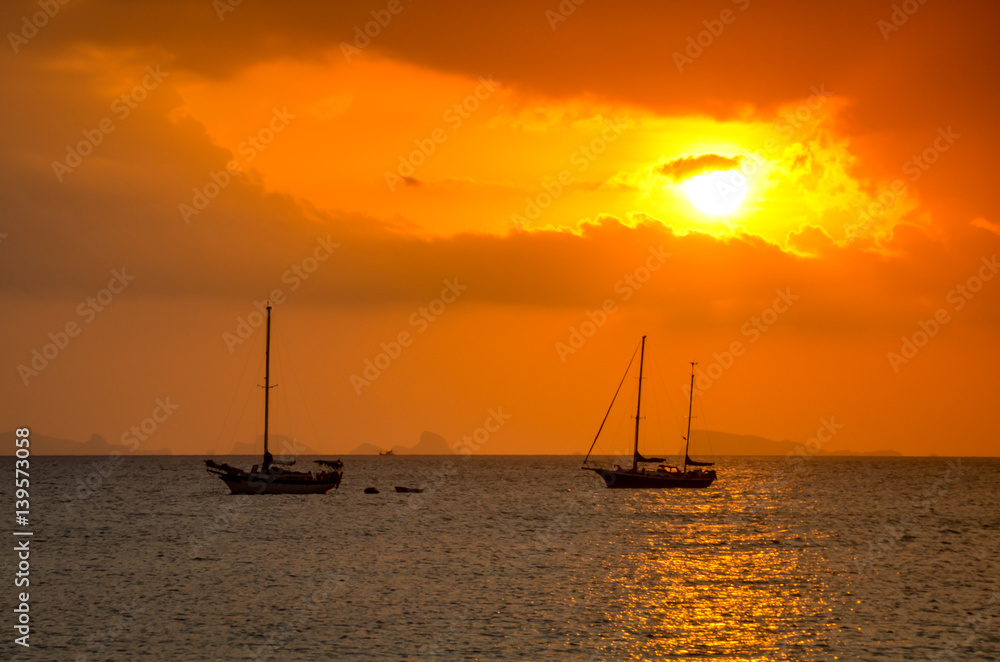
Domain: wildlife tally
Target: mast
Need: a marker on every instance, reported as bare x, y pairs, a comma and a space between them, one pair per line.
687, 439
638, 405
267, 383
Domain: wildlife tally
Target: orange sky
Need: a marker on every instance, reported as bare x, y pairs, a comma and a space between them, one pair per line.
541, 164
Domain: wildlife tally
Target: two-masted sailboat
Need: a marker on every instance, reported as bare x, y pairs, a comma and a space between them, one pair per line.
663, 475
270, 477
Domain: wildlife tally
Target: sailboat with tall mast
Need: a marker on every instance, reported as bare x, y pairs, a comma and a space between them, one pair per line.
663, 475
270, 477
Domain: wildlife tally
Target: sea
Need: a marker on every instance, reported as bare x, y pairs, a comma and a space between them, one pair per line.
511, 558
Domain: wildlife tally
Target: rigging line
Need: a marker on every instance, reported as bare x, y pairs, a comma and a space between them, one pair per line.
298, 389
654, 411
611, 405
279, 374
662, 384
704, 419
246, 401
619, 430
658, 376
282, 360
239, 384
615, 430
624, 430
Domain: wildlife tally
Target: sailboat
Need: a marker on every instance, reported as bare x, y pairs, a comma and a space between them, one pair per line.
663, 475
270, 477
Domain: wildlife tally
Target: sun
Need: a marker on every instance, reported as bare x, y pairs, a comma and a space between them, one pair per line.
718, 192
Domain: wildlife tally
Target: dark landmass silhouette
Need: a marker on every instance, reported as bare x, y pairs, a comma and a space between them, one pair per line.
281, 446
429, 444
96, 445
707, 442
703, 444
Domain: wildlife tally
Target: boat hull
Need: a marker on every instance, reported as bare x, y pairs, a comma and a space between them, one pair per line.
624, 479
264, 484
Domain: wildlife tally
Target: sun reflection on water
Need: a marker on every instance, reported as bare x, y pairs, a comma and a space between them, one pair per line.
707, 576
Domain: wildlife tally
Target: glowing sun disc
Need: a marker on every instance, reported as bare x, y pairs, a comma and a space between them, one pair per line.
717, 192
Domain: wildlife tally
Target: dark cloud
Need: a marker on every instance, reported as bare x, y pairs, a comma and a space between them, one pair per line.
770, 53
686, 166
119, 210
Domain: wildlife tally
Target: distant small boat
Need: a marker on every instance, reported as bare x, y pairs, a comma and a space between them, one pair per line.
664, 476
269, 477
414, 490
388, 452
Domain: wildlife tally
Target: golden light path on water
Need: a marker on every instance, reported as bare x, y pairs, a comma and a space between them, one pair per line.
708, 577
529, 558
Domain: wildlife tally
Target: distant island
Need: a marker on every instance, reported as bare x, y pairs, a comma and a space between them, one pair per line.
281, 446
429, 444
724, 443
96, 445
703, 443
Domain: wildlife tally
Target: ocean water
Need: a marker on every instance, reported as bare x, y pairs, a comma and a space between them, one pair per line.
514, 558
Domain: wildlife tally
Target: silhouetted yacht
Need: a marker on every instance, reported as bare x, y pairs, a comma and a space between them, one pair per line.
270, 477
663, 475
